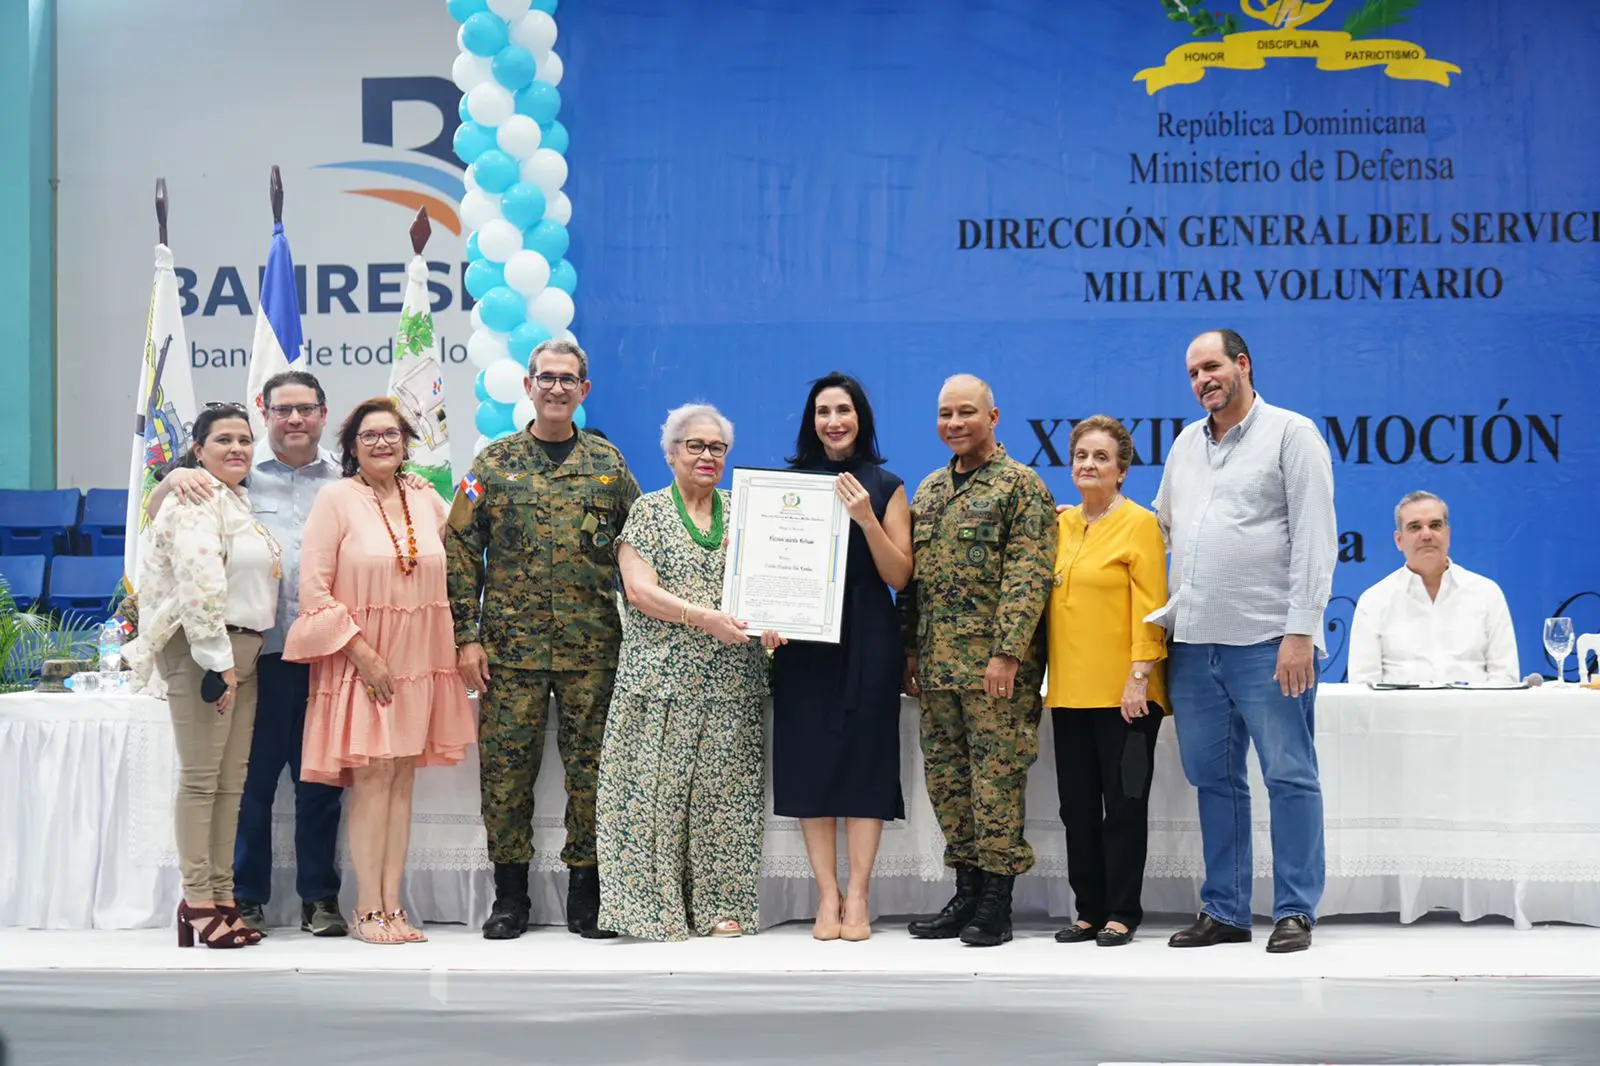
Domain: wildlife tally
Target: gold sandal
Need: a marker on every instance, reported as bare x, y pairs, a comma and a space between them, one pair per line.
358, 928
727, 928
409, 933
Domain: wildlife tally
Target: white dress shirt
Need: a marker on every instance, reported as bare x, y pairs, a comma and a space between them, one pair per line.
1249, 521
1400, 636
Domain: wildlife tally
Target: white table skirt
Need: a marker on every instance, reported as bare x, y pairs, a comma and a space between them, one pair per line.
1483, 803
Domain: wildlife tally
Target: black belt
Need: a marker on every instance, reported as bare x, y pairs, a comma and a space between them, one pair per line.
242, 631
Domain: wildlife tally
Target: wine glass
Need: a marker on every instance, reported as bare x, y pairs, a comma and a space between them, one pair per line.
1558, 641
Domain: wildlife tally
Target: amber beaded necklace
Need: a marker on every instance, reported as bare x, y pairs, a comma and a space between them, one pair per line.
408, 558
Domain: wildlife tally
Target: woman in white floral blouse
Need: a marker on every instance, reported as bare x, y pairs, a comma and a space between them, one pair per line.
682, 798
208, 588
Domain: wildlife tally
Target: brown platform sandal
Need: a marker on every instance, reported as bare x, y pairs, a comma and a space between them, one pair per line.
216, 934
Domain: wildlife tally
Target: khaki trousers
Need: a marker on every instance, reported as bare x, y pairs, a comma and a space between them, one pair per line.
213, 756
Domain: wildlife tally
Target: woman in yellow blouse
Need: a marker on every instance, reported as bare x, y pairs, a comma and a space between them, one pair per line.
1106, 689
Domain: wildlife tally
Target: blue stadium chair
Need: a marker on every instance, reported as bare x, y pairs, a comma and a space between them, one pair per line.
105, 513
82, 586
38, 522
24, 576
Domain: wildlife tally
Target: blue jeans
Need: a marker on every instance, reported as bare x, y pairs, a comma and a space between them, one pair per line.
1223, 699
279, 736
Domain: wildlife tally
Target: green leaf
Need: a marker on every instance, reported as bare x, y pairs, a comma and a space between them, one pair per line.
1377, 15
1177, 16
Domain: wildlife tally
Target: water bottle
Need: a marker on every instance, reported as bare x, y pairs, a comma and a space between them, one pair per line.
111, 646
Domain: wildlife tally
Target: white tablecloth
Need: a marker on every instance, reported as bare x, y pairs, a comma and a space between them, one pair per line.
1475, 802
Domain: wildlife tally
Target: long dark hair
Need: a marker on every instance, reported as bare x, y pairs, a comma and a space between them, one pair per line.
808, 446
352, 426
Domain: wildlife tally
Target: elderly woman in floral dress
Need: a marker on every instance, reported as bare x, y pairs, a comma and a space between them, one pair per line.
682, 797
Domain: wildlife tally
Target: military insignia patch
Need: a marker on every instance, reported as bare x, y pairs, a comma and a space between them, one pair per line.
605, 479
977, 554
601, 540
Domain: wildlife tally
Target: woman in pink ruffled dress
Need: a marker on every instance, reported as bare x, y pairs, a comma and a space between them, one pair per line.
375, 626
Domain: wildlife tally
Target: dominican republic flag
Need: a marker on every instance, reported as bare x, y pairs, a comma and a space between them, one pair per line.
416, 381
163, 405
276, 346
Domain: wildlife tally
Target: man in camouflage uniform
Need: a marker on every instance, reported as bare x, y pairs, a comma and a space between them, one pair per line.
533, 582
984, 544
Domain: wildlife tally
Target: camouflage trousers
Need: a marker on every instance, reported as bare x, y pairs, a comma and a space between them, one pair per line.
976, 752
511, 746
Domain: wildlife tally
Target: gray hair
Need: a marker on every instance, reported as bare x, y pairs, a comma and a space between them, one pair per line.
970, 379
1417, 497
679, 419
560, 346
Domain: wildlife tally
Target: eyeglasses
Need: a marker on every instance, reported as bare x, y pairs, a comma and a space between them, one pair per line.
286, 411
369, 437
700, 447
547, 382
225, 405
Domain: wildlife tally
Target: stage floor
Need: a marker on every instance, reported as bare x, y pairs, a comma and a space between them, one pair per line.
1438, 991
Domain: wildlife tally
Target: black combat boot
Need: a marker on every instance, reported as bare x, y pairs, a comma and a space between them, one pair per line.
583, 903
991, 925
957, 913
509, 917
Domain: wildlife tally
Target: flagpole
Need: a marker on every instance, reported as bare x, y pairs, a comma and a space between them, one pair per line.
275, 195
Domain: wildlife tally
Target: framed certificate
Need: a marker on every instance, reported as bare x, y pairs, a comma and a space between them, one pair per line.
788, 537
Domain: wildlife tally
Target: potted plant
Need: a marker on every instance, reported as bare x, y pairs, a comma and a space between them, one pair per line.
28, 639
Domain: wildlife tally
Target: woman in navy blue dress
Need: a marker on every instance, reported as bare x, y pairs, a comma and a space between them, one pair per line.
836, 707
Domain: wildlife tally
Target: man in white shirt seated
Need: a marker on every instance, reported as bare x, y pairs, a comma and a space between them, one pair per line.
1432, 620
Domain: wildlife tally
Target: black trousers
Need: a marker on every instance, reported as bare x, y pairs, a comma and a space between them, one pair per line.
1103, 771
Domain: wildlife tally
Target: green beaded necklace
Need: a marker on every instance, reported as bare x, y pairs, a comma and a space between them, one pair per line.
713, 538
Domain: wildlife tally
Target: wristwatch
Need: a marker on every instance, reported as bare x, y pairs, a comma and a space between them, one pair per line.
1140, 675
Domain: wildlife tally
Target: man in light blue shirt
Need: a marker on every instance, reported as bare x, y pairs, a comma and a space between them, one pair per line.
291, 466
1246, 505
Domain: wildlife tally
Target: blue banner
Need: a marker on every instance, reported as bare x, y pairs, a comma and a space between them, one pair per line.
1396, 203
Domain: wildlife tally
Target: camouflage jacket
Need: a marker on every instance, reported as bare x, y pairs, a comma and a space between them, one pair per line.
982, 559
533, 554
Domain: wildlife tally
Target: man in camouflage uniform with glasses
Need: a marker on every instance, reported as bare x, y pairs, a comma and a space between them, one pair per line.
533, 591
983, 533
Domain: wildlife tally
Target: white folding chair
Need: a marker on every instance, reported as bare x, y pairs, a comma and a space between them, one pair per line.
1586, 643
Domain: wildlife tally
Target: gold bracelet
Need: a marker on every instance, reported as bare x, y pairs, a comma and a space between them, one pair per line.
683, 619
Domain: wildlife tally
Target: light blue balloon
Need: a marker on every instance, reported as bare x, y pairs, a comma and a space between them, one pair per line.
562, 276
461, 109
514, 67
523, 204
493, 419
496, 171
474, 253
547, 6
472, 140
503, 434
462, 10
580, 417
479, 390
524, 339
485, 33
554, 137
540, 101
502, 310
548, 238
484, 275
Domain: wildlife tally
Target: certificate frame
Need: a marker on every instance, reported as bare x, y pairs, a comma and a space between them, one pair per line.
788, 542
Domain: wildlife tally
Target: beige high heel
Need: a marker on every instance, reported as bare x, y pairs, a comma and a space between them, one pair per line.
826, 930
854, 931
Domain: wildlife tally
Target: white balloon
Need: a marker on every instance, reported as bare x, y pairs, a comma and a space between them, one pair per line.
499, 240
552, 309
518, 137
469, 177
502, 380
470, 71
527, 272
523, 412
480, 444
478, 209
477, 318
510, 10
551, 69
568, 335
558, 208
546, 169
486, 347
490, 103
535, 31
